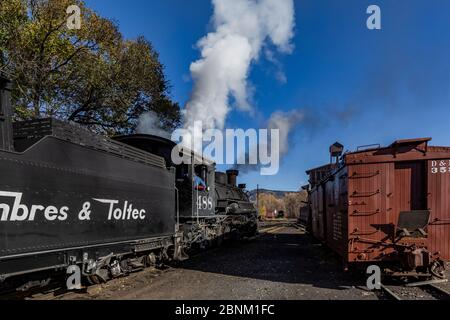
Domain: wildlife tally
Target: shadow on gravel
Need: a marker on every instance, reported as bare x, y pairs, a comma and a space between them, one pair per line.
286, 257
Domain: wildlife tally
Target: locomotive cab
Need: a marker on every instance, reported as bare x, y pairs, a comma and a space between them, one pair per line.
210, 206
194, 180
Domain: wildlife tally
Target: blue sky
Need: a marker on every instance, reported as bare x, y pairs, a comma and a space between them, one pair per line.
356, 86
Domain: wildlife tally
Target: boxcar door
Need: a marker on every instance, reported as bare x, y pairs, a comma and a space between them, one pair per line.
410, 186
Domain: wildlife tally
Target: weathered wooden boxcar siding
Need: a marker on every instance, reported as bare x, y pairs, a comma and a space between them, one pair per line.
378, 186
314, 196
439, 205
312, 203
370, 214
329, 212
336, 213
343, 211
318, 205
320, 213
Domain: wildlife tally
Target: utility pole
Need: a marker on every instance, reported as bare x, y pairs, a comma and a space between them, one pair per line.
257, 200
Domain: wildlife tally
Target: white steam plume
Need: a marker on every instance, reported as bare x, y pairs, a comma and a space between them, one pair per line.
149, 123
241, 29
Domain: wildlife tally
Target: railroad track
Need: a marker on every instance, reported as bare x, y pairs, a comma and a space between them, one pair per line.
56, 289
426, 290
271, 228
94, 290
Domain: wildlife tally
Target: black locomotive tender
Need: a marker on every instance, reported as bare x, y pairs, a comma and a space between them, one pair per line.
69, 197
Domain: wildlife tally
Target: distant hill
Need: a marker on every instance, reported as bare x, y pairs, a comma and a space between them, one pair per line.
276, 193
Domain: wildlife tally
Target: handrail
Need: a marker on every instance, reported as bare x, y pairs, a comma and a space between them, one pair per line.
437, 222
358, 175
356, 232
357, 194
177, 200
377, 242
357, 213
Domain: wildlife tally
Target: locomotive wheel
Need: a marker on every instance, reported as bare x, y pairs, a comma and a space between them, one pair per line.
93, 280
101, 277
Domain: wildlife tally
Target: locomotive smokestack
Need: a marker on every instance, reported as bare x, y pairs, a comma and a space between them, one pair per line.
6, 134
221, 177
232, 177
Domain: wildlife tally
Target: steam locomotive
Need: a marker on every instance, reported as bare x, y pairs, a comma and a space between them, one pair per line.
75, 203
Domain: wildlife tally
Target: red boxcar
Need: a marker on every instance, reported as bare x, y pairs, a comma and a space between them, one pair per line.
387, 204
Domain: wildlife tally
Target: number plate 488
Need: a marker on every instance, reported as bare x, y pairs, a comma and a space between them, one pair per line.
204, 203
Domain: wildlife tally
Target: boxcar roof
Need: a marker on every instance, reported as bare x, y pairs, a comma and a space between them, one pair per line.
417, 141
329, 166
400, 150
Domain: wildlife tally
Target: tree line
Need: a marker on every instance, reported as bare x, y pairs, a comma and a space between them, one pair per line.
290, 204
92, 76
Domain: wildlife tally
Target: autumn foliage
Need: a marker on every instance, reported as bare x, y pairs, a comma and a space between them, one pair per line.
92, 75
290, 204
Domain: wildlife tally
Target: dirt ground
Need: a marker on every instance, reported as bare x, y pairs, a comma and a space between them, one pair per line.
281, 263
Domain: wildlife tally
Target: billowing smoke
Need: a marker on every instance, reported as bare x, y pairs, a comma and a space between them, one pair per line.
149, 123
241, 29
285, 122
